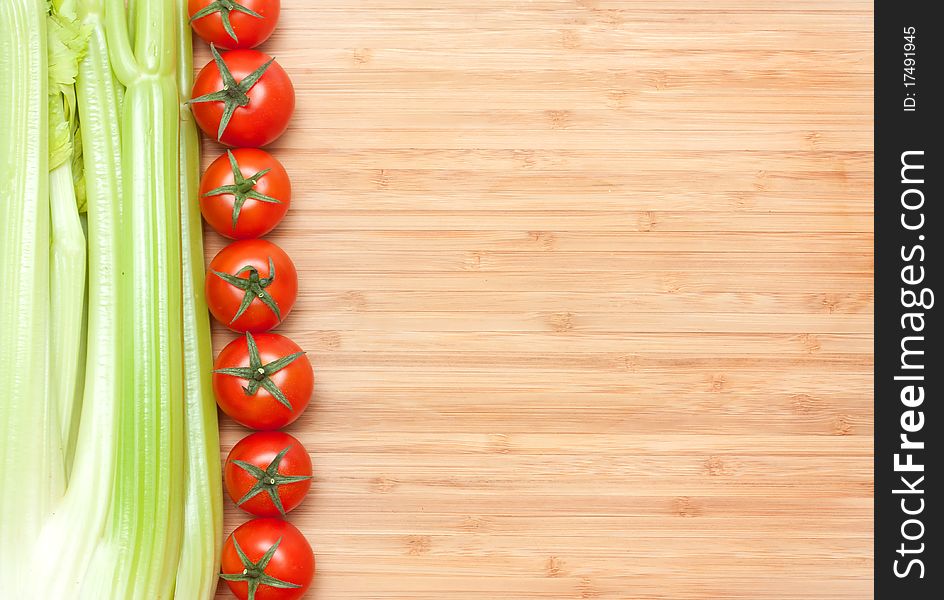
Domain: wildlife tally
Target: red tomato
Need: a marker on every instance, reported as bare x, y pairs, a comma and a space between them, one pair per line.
263, 381
232, 24
244, 193
267, 473
267, 559
243, 98
251, 286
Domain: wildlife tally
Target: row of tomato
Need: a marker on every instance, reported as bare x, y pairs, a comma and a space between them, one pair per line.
244, 99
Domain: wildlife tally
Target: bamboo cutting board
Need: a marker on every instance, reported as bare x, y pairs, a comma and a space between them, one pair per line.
587, 285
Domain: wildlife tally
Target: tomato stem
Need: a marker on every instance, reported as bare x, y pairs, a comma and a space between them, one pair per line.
242, 188
225, 7
259, 375
254, 286
268, 480
254, 572
233, 94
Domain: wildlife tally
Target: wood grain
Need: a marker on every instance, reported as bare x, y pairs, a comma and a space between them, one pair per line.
587, 285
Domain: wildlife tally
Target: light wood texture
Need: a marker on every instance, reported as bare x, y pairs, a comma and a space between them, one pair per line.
587, 285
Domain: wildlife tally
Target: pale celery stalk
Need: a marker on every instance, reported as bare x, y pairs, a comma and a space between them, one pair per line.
78, 525
26, 415
66, 41
130, 11
203, 509
67, 289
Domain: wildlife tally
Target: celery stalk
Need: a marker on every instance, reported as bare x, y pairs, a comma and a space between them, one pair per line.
147, 506
67, 304
203, 510
66, 40
27, 419
78, 526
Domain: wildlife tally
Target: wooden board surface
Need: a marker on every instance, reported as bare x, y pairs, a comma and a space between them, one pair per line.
588, 289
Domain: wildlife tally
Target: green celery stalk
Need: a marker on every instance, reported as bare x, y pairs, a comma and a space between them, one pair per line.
28, 420
198, 568
147, 503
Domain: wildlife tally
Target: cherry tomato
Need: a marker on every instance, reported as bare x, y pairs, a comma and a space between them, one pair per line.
267, 559
244, 193
232, 24
263, 381
267, 473
243, 98
251, 286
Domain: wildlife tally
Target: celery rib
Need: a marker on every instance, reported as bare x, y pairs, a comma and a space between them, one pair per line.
26, 417
203, 512
148, 501
79, 523
67, 304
